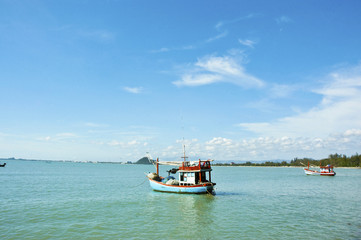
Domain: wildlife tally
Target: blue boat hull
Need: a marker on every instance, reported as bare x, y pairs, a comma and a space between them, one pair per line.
196, 189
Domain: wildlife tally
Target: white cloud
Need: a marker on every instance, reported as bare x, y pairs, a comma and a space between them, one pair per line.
339, 110
353, 132
342, 85
212, 69
135, 90
198, 80
115, 143
131, 143
47, 138
287, 148
267, 148
219, 141
221, 65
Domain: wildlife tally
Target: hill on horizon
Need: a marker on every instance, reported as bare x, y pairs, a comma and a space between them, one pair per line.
143, 160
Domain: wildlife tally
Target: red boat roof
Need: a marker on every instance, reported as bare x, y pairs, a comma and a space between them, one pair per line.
328, 166
195, 166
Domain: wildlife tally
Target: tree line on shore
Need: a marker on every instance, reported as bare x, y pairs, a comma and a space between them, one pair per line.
336, 160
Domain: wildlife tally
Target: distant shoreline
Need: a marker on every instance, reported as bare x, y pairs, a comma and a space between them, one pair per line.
63, 161
128, 163
280, 166
337, 160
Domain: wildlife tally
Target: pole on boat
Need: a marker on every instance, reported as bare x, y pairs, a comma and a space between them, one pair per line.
184, 153
210, 178
158, 166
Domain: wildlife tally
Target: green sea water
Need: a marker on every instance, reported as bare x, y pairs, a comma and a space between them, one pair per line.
55, 200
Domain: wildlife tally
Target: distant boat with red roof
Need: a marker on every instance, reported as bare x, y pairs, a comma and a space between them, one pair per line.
323, 171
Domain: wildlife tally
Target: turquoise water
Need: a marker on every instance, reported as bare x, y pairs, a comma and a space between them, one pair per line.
57, 200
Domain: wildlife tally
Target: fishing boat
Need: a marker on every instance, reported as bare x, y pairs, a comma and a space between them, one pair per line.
324, 171
3, 165
193, 177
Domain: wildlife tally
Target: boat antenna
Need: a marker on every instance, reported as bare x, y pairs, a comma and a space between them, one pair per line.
184, 145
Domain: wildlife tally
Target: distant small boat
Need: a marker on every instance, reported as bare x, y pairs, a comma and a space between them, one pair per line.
324, 171
2, 165
194, 177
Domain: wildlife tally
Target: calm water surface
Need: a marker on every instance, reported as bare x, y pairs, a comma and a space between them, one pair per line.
42, 200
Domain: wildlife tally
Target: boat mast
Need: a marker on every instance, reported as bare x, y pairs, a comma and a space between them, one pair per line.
184, 153
158, 166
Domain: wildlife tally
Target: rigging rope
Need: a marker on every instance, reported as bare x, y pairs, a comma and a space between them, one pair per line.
139, 184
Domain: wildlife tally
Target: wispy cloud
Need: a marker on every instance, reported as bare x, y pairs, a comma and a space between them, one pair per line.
247, 42
212, 69
223, 23
219, 36
281, 90
170, 49
95, 125
135, 90
283, 19
101, 35
220, 33
224, 32
66, 136
161, 50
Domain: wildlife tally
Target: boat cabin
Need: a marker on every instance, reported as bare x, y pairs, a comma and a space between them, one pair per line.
326, 169
194, 173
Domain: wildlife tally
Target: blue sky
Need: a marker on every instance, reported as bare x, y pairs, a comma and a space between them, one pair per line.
237, 80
